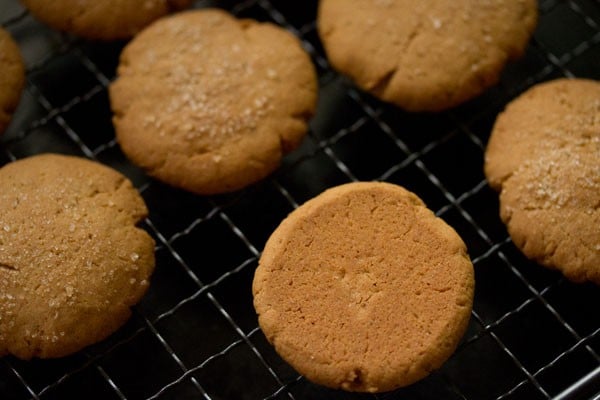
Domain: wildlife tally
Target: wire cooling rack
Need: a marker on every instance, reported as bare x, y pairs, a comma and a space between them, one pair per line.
533, 335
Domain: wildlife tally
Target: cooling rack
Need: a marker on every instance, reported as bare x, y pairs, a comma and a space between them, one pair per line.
532, 335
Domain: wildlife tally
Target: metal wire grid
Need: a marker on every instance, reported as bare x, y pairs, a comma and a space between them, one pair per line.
195, 334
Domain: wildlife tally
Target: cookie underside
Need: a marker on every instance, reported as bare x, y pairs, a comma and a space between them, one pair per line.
364, 289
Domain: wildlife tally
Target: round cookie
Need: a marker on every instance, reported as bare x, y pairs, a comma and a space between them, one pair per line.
12, 77
210, 103
102, 19
544, 157
362, 288
424, 55
72, 261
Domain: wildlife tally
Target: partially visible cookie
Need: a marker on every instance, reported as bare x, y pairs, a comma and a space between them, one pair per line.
544, 158
209, 103
102, 19
424, 55
12, 77
362, 288
72, 261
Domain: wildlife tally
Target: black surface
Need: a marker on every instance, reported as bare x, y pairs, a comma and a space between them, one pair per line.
195, 335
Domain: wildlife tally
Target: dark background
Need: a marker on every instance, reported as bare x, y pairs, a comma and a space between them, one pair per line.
195, 335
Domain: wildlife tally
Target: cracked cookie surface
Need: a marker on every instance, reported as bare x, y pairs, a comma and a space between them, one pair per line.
544, 157
210, 103
102, 19
12, 77
424, 55
72, 261
362, 288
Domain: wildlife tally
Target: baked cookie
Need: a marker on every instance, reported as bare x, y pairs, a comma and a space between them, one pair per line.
544, 157
12, 77
102, 19
424, 55
362, 288
210, 103
72, 261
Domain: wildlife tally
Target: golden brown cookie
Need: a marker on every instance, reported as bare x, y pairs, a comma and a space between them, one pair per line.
72, 261
424, 55
210, 103
544, 158
102, 19
362, 288
12, 77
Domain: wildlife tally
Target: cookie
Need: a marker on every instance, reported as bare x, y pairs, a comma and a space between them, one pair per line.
362, 288
72, 261
12, 77
210, 103
102, 19
544, 157
424, 55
